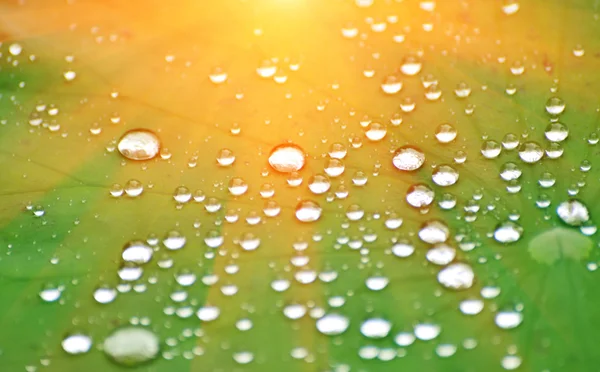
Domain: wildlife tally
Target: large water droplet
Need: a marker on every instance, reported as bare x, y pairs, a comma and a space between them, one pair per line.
555, 106
77, 343
456, 276
508, 319
308, 211
531, 152
556, 132
137, 252
434, 231
375, 328
139, 144
287, 158
508, 232
408, 158
332, 324
411, 65
573, 212
445, 133
419, 195
444, 175
131, 346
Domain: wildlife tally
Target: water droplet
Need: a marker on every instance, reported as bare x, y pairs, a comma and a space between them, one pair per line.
555, 106
508, 319
427, 331
556, 132
433, 92
76, 343
411, 65
578, 50
243, 357
225, 157
182, 195
445, 175
445, 133
137, 252
51, 292
139, 144
131, 346
308, 211
287, 158
457, 276
294, 311
174, 240
267, 69
441, 254
319, 184
510, 7
491, 149
15, 49
38, 211
105, 294
376, 131
408, 158
237, 186
404, 339
377, 283
511, 362
403, 249
375, 328
434, 231
508, 232
419, 195
510, 171
334, 167
133, 188
471, 306
573, 212
462, 90
531, 152
208, 313
391, 84
218, 75
332, 324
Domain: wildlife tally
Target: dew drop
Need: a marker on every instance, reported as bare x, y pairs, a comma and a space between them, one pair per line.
531, 152
445, 175
375, 328
137, 252
555, 106
76, 343
131, 346
139, 144
445, 133
419, 195
508, 319
308, 211
411, 65
508, 232
457, 276
332, 324
434, 232
287, 158
573, 212
408, 158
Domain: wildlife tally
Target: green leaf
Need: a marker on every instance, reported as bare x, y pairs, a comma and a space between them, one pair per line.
560, 244
247, 290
